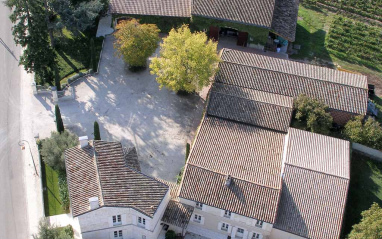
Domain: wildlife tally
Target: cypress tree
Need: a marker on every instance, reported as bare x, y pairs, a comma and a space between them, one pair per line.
97, 135
57, 78
93, 63
59, 122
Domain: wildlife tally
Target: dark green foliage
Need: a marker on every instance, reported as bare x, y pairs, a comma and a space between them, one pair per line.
180, 176
30, 31
57, 80
368, 132
187, 151
313, 114
63, 191
47, 231
53, 149
93, 62
59, 122
97, 135
170, 234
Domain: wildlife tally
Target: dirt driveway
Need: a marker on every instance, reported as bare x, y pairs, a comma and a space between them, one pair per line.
130, 108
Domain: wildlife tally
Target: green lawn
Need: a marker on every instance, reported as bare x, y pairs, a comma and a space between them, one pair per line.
52, 203
365, 188
73, 51
313, 26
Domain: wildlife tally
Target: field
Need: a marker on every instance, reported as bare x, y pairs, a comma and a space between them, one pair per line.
365, 188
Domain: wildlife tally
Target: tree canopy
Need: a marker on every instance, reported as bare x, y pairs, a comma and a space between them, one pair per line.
367, 132
46, 231
187, 60
53, 148
313, 114
370, 226
136, 42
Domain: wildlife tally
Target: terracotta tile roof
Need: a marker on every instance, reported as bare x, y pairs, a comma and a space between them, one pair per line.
131, 158
258, 12
241, 197
242, 151
251, 106
336, 95
312, 204
110, 179
177, 214
172, 8
318, 153
174, 188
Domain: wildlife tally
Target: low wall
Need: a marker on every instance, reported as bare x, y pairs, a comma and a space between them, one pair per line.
372, 153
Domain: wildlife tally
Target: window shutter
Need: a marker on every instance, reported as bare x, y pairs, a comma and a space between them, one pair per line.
123, 219
204, 207
245, 236
134, 220
112, 235
222, 213
147, 226
234, 230
124, 234
229, 229
110, 221
232, 215
202, 221
220, 225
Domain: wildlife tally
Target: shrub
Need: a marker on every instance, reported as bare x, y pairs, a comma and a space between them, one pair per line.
136, 42
187, 151
97, 135
370, 226
52, 149
367, 132
180, 176
170, 234
59, 122
313, 114
63, 191
47, 231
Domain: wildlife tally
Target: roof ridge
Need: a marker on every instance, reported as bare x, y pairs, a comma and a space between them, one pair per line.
213, 171
286, 73
246, 98
312, 170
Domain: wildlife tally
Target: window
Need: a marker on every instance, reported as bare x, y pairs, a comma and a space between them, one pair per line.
117, 220
255, 235
197, 218
240, 230
199, 205
240, 233
118, 234
224, 226
259, 223
141, 221
227, 214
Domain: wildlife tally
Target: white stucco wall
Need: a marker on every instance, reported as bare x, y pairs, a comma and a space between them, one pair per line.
278, 234
212, 219
98, 224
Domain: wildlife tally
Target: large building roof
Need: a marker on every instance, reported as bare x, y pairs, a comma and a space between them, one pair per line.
100, 171
277, 15
170, 8
339, 90
241, 197
249, 106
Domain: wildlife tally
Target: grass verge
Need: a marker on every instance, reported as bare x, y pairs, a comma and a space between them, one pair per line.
52, 203
365, 188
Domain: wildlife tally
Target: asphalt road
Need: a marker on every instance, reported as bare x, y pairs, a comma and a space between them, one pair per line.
13, 204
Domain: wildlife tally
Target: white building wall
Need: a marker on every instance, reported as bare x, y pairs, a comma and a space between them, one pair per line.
212, 219
98, 224
278, 234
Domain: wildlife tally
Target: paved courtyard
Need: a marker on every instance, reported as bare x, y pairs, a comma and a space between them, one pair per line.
130, 108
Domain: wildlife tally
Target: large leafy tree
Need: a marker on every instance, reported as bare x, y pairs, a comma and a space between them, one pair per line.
46, 231
136, 42
30, 30
370, 226
187, 61
367, 132
53, 148
313, 114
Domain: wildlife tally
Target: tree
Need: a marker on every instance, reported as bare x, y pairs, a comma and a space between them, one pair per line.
170, 234
30, 31
136, 42
187, 61
313, 114
46, 231
367, 132
370, 226
93, 62
59, 122
57, 81
77, 17
97, 135
53, 148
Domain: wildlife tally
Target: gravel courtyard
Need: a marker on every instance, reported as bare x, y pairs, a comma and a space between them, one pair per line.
130, 108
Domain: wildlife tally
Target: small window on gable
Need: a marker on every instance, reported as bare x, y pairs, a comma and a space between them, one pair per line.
117, 220
199, 205
197, 218
259, 223
118, 234
255, 235
224, 226
141, 221
227, 214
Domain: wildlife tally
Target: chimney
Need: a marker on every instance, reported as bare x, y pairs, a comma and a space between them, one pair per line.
228, 180
93, 203
83, 141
